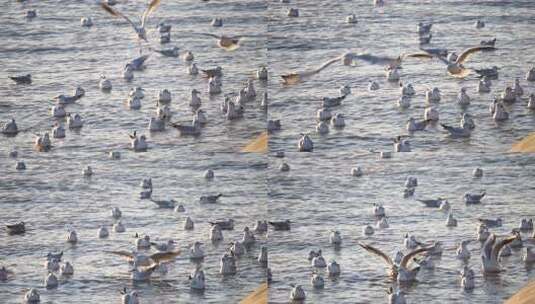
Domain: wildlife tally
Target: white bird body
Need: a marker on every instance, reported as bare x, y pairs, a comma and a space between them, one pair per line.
103, 232
58, 111
531, 102
10, 128
333, 269
402, 146
351, 19
215, 234
197, 279
500, 114
324, 114
195, 101
462, 98
237, 248
156, 124
143, 243
451, 221
338, 121
357, 171
317, 281
58, 131
43, 143
139, 144
508, 95
373, 86
407, 90
262, 73
51, 281
318, 262
322, 128
404, 102
164, 96
378, 210
530, 75
392, 75
32, 297
248, 237
250, 90
529, 255
432, 95
382, 223
133, 103
128, 73
490, 253
119, 227
104, 84
196, 251
72, 237
75, 122
66, 269
335, 237
482, 87
227, 265
305, 144
367, 230
297, 294
137, 92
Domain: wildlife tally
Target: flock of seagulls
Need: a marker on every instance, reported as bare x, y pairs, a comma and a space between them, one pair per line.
402, 268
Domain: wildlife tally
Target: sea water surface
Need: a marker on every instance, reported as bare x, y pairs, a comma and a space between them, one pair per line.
317, 195
52, 195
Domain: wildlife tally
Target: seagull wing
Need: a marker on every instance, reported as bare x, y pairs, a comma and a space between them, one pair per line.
115, 13
373, 59
418, 55
498, 247
151, 8
164, 256
406, 259
468, 52
378, 252
122, 253
326, 64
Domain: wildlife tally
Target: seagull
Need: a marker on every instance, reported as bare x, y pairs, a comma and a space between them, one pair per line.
228, 43
433, 203
401, 272
457, 132
18, 228
22, 79
146, 260
490, 42
490, 223
140, 29
168, 204
193, 129
296, 77
470, 198
281, 226
491, 73
332, 101
456, 68
129, 297
224, 224
171, 52
490, 253
210, 199
215, 72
